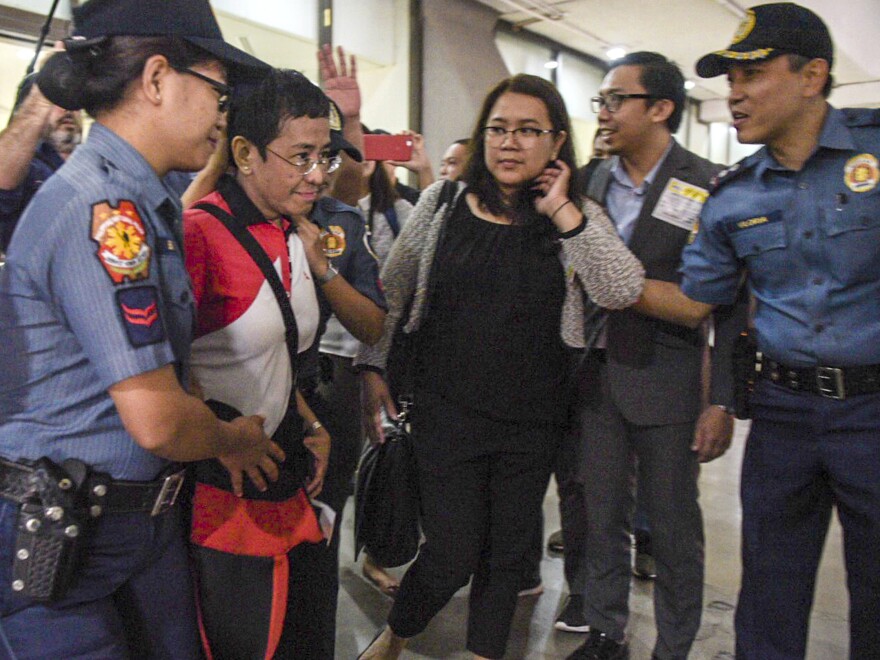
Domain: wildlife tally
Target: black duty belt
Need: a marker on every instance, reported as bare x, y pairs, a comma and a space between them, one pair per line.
830, 382
105, 495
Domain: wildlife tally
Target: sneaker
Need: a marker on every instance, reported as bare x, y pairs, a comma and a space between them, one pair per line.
531, 585
571, 618
555, 542
600, 647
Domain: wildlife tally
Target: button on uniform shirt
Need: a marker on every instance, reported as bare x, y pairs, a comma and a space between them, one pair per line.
810, 244
94, 292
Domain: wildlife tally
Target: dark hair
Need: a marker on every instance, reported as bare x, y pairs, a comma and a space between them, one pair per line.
463, 142
798, 62
96, 78
481, 182
382, 192
661, 78
259, 110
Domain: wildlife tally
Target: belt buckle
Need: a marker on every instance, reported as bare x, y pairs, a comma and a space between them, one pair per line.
168, 493
829, 380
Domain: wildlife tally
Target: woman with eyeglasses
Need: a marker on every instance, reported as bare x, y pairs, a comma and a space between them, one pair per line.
494, 283
96, 318
256, 549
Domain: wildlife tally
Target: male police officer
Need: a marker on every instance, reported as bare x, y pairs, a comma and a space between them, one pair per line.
802, 218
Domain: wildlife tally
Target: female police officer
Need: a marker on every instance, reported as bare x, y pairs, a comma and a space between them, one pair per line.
95, 323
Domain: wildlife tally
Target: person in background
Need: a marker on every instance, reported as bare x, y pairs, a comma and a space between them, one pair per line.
38, 140
490, 371
454, 159
800, 219
96, 319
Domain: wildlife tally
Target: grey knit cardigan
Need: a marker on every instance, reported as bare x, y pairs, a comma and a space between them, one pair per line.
596, 262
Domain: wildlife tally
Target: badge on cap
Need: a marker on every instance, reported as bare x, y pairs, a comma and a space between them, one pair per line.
122, 241
745, 28
139, 308
333, 240
335, 119
861, 173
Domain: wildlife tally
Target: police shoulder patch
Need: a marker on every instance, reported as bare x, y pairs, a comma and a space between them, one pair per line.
139, 311
121, 236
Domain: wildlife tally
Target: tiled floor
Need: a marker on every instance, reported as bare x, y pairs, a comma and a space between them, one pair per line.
362, 609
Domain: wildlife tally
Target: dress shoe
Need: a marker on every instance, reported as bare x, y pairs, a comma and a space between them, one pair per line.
600, 647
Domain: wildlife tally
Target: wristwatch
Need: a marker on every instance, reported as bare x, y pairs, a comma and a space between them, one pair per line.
329, 275
728, 409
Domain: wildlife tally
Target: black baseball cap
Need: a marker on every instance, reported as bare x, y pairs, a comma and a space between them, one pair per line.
192, 20
768, 31
337, 141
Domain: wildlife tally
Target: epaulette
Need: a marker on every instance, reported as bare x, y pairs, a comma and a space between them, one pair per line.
861, 116
730, 173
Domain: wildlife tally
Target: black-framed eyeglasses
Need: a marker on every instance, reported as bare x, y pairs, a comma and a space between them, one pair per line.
224, 90
306, 166
612, 102
525, 136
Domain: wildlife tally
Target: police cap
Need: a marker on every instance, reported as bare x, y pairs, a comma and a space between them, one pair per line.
768, 31
191, 20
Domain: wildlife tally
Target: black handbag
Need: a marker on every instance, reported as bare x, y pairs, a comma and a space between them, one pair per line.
386, 517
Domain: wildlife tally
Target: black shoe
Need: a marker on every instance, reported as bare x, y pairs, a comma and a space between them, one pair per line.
571, 618
555, 542
600, 647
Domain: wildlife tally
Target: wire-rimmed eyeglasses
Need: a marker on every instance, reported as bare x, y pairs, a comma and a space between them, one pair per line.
525, 136
306, 166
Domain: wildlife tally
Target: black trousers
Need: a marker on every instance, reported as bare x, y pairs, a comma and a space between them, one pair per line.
482, 482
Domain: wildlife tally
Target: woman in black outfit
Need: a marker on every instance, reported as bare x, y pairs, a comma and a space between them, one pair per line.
490, 395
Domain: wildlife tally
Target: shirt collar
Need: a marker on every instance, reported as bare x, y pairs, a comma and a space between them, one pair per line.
618, 171
834, 135
124, 157
241, 205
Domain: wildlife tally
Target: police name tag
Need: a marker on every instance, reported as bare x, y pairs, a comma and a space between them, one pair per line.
680, 203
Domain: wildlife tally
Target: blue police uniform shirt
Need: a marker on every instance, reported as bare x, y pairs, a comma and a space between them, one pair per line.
94, 292
346, 246
809, 242
45, 163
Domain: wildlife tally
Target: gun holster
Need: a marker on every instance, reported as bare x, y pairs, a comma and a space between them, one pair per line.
746, 365
52, 523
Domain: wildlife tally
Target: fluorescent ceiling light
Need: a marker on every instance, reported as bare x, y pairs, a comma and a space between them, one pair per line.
615, 53
551, 64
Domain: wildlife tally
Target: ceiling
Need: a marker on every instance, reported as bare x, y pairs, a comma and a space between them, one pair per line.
684, 30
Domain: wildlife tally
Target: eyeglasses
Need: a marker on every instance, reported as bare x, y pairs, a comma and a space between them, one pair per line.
306, 166
524, 136
612, 102
225, 91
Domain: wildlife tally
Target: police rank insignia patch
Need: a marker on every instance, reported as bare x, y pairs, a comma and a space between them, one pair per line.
139, 308
861, 173
122, 241
333, 240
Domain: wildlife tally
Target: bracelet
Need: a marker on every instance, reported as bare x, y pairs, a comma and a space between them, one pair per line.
559, 208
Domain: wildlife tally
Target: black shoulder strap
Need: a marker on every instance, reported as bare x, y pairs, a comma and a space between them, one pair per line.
258, 254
